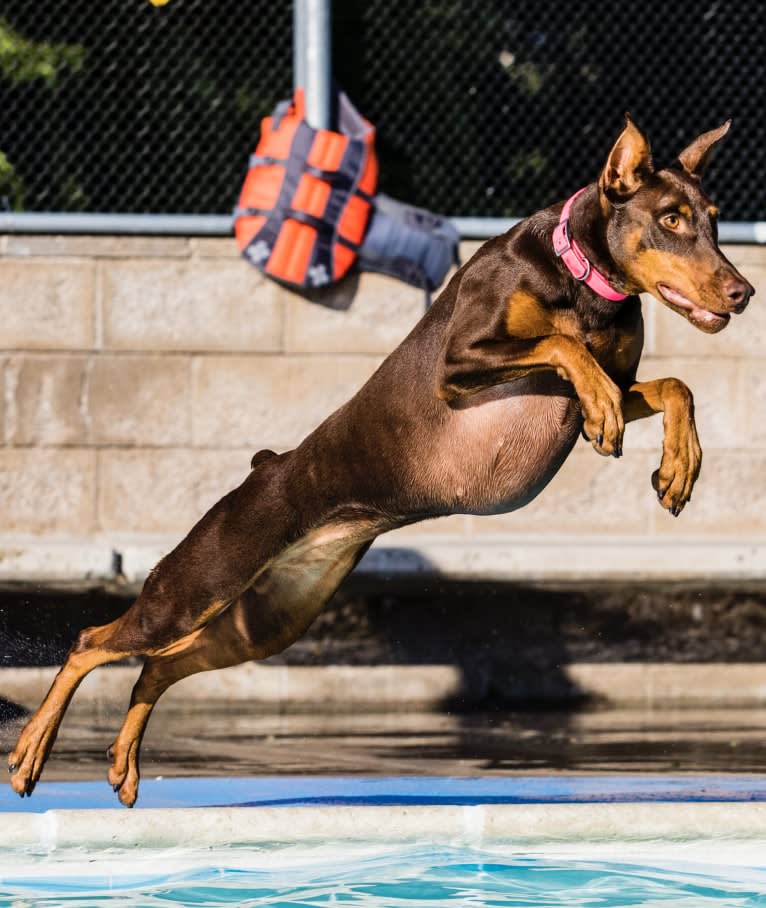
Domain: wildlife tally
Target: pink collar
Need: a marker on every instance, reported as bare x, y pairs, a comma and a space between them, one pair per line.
572, 256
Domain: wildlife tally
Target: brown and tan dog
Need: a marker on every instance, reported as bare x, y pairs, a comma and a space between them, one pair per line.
473, 413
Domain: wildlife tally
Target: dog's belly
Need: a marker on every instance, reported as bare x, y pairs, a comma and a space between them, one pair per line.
502, 447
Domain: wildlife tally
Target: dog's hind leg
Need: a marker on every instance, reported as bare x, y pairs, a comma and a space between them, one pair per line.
263, 621
26, 761
217, 645
219, 558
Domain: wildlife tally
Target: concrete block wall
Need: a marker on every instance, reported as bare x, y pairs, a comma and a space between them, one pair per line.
139, 374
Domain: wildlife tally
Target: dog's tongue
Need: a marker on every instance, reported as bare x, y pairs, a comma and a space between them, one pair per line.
705, 317
700, 316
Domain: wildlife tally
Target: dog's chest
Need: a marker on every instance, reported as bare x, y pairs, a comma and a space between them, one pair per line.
507, 444
615, 349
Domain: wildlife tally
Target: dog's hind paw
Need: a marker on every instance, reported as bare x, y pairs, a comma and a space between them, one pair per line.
123, 774
26, 761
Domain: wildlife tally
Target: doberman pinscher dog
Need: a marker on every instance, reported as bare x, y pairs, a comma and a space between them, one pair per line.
535, 340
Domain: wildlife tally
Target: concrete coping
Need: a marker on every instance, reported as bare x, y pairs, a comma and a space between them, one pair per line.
509, 825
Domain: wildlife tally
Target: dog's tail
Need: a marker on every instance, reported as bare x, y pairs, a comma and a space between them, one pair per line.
261, 457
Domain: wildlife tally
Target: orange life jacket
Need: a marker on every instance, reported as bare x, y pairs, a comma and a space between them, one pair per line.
306, 200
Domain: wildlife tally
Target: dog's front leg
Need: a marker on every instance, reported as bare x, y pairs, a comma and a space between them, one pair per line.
471, 367
681, 452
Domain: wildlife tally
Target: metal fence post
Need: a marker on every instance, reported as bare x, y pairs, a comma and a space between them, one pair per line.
299, 43
312, 54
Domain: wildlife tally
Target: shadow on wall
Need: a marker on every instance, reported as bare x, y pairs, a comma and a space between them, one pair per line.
511, 641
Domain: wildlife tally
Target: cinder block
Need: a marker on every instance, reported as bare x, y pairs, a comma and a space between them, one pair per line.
649, 306
46, 305
719, 401
269, 401
590, 495
745, 335
727, 500
644, 434
189, 305
152, 491
367, 313
468, 249
754, 402
370, 313
47, 491
744, 255
4, 390
140, 400
214, 247
48, 396
456, 526
98, 246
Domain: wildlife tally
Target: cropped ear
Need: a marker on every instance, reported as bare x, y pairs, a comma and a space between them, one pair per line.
696, 157
628, 164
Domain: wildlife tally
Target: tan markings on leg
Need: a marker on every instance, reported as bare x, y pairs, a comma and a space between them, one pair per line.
218, 645
28, 757
209, 613
681, 452
600, 398
527, 317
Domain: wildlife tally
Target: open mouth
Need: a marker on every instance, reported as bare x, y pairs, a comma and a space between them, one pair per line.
711, 322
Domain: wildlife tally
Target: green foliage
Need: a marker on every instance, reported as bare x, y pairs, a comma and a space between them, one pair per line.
22, 60
11, 189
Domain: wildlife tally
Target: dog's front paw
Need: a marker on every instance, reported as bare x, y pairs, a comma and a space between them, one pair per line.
680, 467
603, 421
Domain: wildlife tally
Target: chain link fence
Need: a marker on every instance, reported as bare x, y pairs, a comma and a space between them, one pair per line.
483, 107
122, 106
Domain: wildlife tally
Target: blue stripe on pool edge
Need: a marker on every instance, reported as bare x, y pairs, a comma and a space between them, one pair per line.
290, 791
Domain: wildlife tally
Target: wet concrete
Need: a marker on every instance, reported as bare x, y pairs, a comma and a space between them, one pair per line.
215, 741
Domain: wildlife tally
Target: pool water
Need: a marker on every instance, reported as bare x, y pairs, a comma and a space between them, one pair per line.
404, 876
382, 842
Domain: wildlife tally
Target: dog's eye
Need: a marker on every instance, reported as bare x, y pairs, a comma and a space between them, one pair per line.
671, 221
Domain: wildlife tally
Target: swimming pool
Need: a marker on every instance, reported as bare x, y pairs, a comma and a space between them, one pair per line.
374, 842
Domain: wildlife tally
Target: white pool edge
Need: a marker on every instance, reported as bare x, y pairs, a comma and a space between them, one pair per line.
525, 825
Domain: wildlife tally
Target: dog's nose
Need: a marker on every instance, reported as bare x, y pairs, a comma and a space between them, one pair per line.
738, 293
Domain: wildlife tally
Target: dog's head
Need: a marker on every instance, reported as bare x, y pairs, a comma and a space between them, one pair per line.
662, 230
